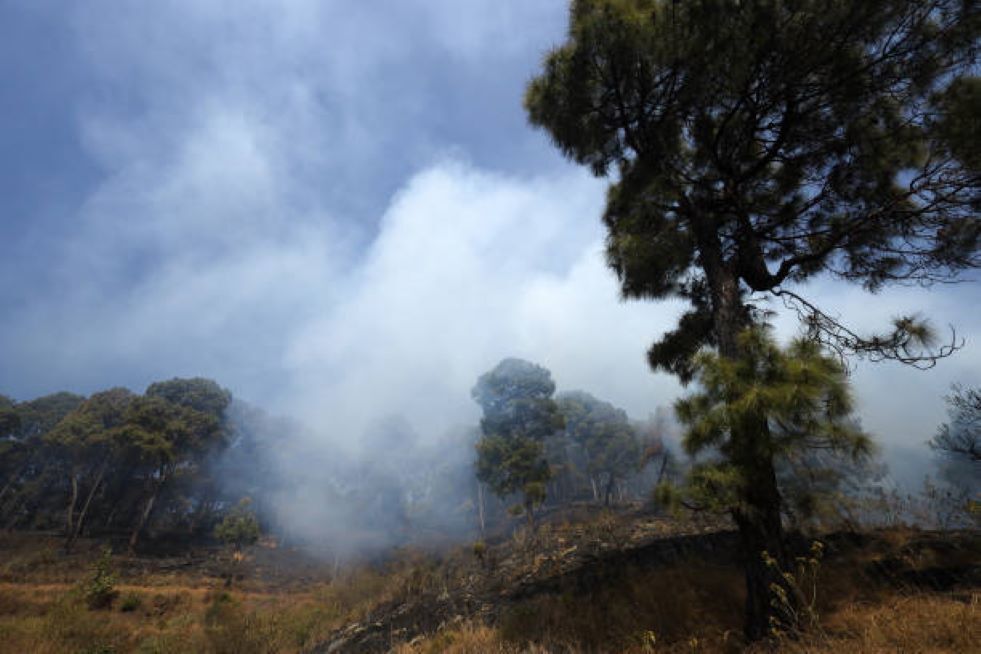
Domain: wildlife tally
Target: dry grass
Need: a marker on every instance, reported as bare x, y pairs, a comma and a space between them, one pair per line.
690, 606
917, 624
42, 608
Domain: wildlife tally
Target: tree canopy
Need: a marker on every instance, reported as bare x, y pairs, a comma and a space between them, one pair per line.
756, 144
519, 414
604, 433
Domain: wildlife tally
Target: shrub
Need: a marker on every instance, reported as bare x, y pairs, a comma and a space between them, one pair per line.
130, 603
100, 591
240, 527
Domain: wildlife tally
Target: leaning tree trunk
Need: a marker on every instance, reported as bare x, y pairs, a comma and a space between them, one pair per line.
85, 506
145, 515
758, 515
72, 501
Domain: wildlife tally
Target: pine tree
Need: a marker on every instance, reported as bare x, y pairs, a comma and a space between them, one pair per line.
756, 144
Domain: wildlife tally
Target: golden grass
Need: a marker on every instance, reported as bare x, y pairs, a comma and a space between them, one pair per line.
918, 624
691, 606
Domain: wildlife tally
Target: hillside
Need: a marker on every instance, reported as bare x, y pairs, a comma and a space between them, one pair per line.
588, 580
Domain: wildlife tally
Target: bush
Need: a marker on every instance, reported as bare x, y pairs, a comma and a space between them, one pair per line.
240, 527
100, 591
130, 603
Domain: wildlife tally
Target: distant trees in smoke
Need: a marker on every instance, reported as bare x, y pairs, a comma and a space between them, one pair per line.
115, 462
960, 437
547, 449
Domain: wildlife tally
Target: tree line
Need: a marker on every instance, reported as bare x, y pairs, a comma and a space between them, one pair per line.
537, 447
115, 462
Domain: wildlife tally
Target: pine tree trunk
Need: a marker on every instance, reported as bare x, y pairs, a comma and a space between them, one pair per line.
758, 518
761, 534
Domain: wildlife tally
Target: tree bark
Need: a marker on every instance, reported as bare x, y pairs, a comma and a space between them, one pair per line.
761, 534
758, 518
145, 515
72, 500
85, 506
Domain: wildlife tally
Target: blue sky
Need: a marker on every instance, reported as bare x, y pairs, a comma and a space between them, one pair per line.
335, 208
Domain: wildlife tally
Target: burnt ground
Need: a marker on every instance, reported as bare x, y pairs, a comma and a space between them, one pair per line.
596, 558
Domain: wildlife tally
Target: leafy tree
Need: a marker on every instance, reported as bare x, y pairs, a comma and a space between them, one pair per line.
25, 462
239, 527
519, 415
605, 435
210, 398
754, 145
960, 436
86, 440
162, 440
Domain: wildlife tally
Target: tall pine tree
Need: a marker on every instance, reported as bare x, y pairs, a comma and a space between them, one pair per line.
755, 144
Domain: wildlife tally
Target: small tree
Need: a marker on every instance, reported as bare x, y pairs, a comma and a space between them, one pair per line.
519, 415
240, 527
100, 591
802, 395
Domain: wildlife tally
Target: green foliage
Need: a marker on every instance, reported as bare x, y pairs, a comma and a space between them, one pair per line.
240, 527
203, 395
800, 393
604, 434
40, 415
100, 591
519, 415
114, 457
130, 602
762, 143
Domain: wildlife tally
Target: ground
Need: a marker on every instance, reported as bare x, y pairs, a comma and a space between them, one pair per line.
584, 581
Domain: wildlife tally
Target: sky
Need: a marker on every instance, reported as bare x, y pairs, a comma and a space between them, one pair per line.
337, 210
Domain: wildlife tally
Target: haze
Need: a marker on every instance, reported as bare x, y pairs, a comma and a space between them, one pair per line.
336, 210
